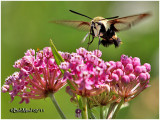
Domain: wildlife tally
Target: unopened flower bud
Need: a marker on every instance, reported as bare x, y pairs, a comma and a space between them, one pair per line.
129, 68
126, 60
112, 63
115, 78
136, 61
142, 77
119, 65
148, 67
138, 70
125, 79
119, 72
148, 75
143, 69
132, 77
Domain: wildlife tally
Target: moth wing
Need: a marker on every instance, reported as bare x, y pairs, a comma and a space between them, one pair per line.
81, 25
125, 23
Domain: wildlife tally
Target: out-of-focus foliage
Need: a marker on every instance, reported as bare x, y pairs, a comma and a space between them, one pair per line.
26, 25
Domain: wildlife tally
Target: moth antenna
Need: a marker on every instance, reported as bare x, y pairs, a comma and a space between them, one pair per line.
112, 17
80, 14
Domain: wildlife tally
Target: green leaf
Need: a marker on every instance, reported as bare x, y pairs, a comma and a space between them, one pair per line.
56, 52
58, 58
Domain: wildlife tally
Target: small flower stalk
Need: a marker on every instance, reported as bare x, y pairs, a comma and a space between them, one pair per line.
91, 81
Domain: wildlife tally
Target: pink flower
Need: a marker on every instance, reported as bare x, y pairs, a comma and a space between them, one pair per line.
88, 72
133, 78
91, 76
38, 76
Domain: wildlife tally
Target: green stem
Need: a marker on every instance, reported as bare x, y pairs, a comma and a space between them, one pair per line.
85, 112
101, 112
90, 113
118, 108
79, 98
51, 95
111, 110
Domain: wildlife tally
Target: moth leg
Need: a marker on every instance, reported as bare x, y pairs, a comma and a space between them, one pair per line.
99, 42
89, 42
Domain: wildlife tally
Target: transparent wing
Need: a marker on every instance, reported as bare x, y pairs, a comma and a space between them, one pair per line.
125, 23
81, 25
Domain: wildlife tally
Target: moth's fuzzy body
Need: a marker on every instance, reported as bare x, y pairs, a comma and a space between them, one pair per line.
101, 27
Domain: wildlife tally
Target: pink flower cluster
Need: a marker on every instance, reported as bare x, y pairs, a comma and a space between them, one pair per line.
129, 77
88, 74
91, 76
39, 75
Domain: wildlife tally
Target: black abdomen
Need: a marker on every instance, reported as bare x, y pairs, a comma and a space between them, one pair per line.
109, 38
107, 42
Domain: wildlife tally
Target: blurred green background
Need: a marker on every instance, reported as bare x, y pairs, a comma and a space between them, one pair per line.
26, 25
